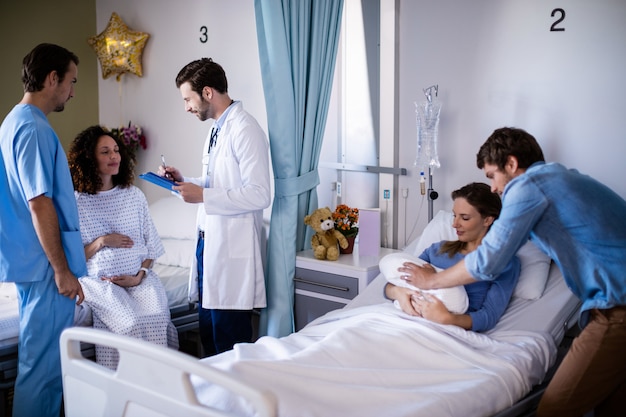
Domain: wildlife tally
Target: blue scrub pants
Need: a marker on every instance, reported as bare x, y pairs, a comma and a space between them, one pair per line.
44, 314
220, 329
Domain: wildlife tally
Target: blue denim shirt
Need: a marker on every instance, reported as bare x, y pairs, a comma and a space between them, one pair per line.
577, 221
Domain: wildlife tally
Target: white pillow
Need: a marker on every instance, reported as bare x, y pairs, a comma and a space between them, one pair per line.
438, 229
535, 265
454, 298
173, 218
534, 274
178, 252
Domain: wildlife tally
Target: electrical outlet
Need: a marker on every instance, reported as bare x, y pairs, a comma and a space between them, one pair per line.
405, 192
338, 189
333, 186
386, 194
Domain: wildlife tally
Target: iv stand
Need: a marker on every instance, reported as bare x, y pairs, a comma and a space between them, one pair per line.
432, 194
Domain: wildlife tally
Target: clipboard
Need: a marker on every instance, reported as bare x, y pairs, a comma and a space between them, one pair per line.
158, 180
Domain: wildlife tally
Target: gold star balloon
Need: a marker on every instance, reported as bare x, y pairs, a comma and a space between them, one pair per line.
119, 49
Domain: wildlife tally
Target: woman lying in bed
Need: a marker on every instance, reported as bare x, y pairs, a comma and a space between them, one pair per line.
475, 208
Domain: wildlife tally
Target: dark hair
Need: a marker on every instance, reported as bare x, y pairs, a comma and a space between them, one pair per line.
203, 73
479, 196
84, 168
41, 61
509, 141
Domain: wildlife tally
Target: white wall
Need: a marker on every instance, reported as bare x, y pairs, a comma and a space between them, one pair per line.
495, 61
153, 101
498, 64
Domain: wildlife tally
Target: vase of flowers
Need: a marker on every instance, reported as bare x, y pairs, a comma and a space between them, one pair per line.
347, 223
132, 136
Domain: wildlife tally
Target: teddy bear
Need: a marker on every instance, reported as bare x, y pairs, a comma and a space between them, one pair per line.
324, 241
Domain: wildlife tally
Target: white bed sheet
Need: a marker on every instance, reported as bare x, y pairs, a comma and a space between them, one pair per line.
370, 359
554, 312
9, 316
175, 279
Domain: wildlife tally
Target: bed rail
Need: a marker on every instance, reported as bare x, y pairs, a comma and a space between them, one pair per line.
150, 380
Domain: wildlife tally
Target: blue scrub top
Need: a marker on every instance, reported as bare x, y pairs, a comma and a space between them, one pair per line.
34, 163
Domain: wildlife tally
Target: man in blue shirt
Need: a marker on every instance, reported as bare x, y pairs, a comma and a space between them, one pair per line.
40, 244
580, 224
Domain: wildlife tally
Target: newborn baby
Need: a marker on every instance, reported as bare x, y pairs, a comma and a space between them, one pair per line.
454, 298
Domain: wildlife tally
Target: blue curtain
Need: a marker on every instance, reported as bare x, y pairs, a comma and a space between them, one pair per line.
297, 47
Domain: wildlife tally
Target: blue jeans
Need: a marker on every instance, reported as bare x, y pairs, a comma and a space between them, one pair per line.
220, 329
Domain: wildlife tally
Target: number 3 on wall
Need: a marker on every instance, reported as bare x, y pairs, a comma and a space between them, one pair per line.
561, 17
204, 37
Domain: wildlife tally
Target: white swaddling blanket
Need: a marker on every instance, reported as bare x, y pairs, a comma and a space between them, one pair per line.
454, 298
375, 360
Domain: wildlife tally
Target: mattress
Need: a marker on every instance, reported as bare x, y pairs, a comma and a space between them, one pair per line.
175, 279
541, 315
9, 316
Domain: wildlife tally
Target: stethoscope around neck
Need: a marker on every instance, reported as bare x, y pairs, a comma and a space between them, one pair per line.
207, 158
213, 139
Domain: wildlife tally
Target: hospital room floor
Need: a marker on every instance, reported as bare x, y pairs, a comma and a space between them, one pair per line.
189, 343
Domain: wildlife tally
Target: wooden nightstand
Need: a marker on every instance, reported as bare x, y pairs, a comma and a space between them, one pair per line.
322, 286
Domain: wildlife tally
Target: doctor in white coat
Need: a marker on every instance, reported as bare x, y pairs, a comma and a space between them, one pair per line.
227, 276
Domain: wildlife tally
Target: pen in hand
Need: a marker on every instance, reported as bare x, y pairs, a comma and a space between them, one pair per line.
165, 173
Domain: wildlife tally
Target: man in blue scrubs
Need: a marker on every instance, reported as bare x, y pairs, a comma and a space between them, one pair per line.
580, 224
40, 244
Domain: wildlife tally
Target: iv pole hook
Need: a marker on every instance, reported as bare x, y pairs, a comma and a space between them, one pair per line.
428, 92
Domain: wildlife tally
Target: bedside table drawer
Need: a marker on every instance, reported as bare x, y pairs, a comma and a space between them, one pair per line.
308, 308
325, 283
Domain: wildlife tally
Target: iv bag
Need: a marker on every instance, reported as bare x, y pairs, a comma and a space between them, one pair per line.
427, 117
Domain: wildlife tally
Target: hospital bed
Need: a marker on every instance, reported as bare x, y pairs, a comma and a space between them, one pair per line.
172, 268
366, 359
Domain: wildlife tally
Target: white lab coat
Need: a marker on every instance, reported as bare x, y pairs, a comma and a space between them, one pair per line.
238, 178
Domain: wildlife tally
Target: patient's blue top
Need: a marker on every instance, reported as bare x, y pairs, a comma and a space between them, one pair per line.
577, 221
487, 299
33, 163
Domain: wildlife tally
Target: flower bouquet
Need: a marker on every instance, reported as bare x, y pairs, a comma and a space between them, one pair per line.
347, 222
132, 136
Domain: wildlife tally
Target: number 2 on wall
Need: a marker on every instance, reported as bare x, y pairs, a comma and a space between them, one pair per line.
554, 27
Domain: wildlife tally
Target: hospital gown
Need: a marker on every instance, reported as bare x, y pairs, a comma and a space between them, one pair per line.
141, 311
